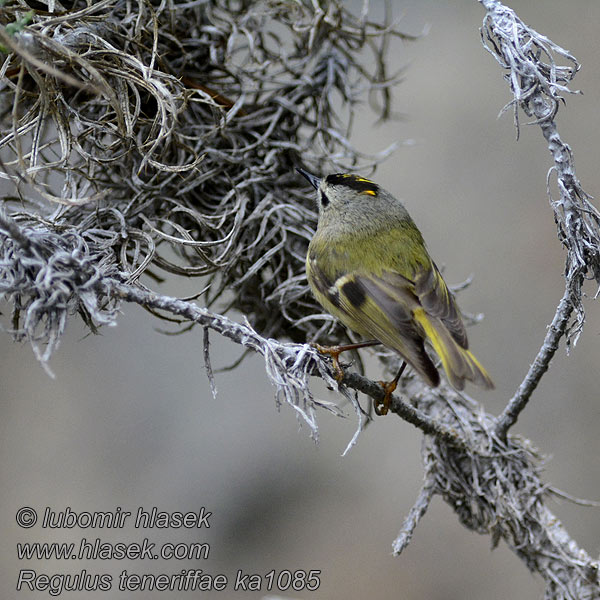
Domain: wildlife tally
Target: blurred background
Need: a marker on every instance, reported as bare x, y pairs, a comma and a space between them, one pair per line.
129, 420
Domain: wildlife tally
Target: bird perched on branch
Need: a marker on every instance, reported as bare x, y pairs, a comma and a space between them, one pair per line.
367, 265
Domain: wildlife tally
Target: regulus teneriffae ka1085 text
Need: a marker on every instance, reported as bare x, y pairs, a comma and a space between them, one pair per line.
367, 265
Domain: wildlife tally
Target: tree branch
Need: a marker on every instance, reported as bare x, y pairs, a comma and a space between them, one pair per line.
537, 81
416, 513
494, 485
288, 365
540, 365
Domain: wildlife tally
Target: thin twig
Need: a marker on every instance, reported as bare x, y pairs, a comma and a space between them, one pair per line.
540, 365
537, 82
415, 514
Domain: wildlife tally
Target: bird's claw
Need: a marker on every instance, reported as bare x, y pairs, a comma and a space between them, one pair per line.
334, 352
382, 407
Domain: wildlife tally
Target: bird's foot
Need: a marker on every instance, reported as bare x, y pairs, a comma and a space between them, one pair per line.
382, 407
335, 351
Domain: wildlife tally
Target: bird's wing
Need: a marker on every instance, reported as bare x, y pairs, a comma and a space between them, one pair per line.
438, 301
437, 319
370, 305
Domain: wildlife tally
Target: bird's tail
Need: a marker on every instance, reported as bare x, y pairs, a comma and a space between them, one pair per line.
459, 363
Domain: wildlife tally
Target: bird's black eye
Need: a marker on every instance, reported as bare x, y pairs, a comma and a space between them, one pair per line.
324, 200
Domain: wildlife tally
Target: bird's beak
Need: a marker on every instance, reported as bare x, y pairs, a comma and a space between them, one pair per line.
314, 181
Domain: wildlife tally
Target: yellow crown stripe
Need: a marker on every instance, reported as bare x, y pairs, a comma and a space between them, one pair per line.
356, 178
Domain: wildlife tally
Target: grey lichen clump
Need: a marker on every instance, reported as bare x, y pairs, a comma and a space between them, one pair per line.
139, 138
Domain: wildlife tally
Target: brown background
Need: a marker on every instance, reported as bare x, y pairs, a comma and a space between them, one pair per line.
129, 420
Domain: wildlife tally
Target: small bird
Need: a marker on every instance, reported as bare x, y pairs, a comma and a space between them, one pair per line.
368, 265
